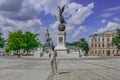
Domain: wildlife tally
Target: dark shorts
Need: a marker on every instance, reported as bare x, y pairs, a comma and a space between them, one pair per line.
53, 61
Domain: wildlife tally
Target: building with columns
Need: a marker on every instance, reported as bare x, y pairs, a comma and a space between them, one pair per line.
101, 44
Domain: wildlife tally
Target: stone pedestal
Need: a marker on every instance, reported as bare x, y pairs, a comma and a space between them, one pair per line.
61, 42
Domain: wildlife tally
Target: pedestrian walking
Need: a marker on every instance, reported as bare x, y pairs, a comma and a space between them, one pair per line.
79, 53
86, 53
18, 55
52, 56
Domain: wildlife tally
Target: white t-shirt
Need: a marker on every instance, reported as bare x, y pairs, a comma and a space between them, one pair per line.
53, 54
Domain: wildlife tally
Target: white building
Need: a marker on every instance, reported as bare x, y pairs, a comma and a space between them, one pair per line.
101, 44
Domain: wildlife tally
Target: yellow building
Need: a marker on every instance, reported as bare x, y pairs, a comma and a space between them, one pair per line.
101, 44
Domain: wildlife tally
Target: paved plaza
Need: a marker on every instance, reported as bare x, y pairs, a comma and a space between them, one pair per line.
104, 68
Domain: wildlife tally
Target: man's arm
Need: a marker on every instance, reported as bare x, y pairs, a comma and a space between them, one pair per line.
56, 53
49, 54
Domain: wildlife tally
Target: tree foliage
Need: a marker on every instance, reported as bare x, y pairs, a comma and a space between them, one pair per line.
14, 41
116, 39
2, 41
72, 44
19, 40
81, 44
30, 41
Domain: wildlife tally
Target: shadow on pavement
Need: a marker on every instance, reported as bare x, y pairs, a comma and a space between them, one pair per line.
65, 72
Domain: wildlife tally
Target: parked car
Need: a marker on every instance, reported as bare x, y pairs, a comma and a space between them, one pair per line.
2, 54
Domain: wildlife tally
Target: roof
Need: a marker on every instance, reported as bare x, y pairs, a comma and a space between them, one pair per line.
99, 34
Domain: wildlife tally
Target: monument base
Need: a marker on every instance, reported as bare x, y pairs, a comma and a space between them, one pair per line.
62, 51
63, 54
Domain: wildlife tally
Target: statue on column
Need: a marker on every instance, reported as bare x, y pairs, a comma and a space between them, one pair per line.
61, 35
48, 39
61, 26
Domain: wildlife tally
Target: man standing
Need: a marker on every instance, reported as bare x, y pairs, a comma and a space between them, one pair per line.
52, 56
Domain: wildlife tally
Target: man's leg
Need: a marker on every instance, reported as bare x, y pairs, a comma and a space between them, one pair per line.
56, 66
52, 66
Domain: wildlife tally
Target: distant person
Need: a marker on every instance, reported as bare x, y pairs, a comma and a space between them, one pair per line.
86, 53
41, 54
52, 56
18, 55
79, 53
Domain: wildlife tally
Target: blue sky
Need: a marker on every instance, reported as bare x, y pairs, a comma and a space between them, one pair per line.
83, 17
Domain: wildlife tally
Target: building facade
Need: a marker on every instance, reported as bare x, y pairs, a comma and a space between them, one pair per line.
101, 44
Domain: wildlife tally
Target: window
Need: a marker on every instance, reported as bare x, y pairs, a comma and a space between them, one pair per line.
99, 45
103, 51
103, 45
60, 39
103, 39
92, 51
95, 39
99, 52
98, 39
91, 40
108, 39
95, 45
91, 45
108, 45
113, 51
95, 52
117, 51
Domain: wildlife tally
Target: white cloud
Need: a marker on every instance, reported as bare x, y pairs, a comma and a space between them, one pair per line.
116, 19
80, 29
7, 25
34, 23
76, 33
6, 31
79, 13
28, 9
103, 21
10, 5
75, 14
55, 25
110, 27
113, 9
49, 6
25, 15
110, 11
83, 28
69, 28
107, 14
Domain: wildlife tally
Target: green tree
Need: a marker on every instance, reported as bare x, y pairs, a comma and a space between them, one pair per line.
14, 41
18, 40
2, 41
72, 44
83, 44
30, 41
116, 39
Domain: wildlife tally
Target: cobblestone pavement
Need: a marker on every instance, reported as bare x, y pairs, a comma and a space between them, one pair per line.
89, 70
13, 68
19, 69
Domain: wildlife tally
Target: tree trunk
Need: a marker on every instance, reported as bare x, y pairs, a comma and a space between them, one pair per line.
18, 53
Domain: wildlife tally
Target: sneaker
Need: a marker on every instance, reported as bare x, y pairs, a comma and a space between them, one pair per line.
56, 72
53, 73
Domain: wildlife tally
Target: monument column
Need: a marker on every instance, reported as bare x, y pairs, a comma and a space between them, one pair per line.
61, 35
